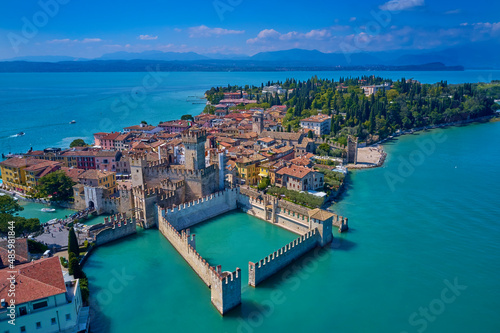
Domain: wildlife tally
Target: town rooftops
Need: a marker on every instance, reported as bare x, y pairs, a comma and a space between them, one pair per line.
292, 136
176, 123
140, 128
34, 280
19, 162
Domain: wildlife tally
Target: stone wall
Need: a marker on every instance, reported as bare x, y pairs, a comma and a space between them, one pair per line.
225, 286
264, 268
113, 228
194, 212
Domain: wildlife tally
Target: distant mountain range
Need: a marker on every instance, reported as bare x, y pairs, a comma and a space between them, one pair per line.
473, 55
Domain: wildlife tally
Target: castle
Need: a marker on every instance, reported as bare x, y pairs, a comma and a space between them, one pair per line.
174, 198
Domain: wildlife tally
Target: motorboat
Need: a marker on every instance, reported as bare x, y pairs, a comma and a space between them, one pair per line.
48, 210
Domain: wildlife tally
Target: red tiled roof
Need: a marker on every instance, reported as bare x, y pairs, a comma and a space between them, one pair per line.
295, 171
34, 280
22, 254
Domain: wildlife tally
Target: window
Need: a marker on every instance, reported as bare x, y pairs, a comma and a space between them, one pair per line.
22, 311
39, 305
53, 321
68, 317
38, 325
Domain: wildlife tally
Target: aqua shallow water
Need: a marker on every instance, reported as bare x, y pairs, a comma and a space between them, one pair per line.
438, 225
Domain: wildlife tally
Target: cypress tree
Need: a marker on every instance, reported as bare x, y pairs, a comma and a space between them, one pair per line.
73, 246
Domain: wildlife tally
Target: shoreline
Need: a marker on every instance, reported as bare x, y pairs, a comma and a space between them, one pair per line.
379, 148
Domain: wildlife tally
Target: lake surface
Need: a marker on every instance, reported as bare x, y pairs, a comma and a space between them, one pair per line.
422, 253
42, 104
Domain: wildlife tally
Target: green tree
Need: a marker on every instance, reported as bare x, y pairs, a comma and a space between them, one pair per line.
77, 143
22, 226
310, 134
143, 122
264, 183
8, 205
187, 117
74, 268
57, 185
73, 246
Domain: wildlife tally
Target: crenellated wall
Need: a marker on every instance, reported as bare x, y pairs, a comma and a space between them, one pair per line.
225, 286
264, 268
194, 212
113, 228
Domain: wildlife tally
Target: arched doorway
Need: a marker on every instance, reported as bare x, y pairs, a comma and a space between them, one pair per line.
91, 204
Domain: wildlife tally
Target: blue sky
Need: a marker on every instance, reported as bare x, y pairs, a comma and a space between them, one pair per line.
91, 28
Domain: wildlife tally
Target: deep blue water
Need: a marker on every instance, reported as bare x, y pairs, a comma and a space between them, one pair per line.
42, 104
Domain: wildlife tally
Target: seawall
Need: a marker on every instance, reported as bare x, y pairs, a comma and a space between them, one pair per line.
225, 286
264, 268
116, 227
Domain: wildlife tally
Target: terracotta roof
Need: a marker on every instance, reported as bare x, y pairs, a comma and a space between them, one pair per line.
42, 165
317, 119
35, 280
22, 254
111, 136
267, 139
320, 214
73, 173
295, 171
282, 135
94, 174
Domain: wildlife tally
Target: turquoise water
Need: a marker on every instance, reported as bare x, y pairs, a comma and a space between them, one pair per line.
42, 104
34, 210
438, 222
429, 215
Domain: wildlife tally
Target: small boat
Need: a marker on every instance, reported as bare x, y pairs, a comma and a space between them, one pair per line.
20, 134
48, 210
73, 122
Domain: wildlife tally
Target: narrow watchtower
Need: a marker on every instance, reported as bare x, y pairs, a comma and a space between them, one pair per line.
258, 122
194, 149
352, 150
322, 220
137, 165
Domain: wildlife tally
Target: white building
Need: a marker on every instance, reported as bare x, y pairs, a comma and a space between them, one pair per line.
320, 124
369, 90
273, 90
44, 302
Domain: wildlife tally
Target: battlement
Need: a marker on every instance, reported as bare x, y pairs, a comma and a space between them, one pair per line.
168, 171
199, 201
114, 227
162, 162
264, 268
341, 222
194, 136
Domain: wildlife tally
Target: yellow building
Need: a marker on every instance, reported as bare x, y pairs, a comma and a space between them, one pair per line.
248, 169
22, 174
97, 178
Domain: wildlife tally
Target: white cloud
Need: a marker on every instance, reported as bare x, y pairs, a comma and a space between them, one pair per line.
396, 5
177, 30
204, 31
352, 19
271, 34
147, 37
91, 40
454, 11
67, 40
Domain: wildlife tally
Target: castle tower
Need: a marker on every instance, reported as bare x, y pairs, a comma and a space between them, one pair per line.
137, 165
194, 149
258, 122
322, 220
352, 150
